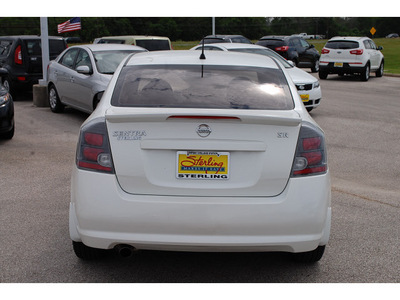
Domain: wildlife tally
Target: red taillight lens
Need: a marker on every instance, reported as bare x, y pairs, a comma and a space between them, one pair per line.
357, 52
324, 51
93, 139
94, 152
310, 158
282, 48
18, 55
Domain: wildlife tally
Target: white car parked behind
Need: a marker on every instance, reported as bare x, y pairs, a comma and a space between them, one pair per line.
351, 55
307, 85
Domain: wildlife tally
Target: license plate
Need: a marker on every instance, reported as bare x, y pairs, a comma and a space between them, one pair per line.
305, 97
202, 165
338, 65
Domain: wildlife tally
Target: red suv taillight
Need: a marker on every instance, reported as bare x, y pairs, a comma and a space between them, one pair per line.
93, 151
324, 51
310, 158
18, 55
357, 52
282, 48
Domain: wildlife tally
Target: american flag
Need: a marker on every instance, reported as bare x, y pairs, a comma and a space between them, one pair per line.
70, 25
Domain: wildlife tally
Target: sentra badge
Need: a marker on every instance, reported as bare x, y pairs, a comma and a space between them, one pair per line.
203, 130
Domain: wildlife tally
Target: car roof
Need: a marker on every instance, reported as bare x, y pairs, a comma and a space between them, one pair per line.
229, 46
109, 47
189, 57
350, 38
276, 37
223, 35
145, 37
28, 37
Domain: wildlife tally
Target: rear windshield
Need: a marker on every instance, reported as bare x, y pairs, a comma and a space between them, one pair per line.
111, 41
34, 47
342, 45
270, 43
213, 41
153, 45
195, 86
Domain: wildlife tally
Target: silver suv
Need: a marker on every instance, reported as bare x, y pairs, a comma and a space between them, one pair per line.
351, 55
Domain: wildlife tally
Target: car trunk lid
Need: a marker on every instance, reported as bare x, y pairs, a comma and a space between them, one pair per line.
204, 152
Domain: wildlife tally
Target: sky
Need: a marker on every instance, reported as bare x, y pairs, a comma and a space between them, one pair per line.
197, 8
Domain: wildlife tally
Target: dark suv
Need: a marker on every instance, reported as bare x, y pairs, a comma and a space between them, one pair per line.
293, 48
22, 57
211, 39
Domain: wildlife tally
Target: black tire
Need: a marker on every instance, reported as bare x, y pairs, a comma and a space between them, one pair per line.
379, 72
310, 256
87, 253
315, 67
365, 73
54, 101
322, 74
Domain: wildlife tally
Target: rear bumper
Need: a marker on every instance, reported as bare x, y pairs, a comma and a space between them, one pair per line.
348, 68
103, 216
25, 81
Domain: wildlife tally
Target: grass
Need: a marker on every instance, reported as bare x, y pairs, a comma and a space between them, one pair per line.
391, 51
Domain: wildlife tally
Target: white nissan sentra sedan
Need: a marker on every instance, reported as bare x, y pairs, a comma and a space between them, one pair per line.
187, 152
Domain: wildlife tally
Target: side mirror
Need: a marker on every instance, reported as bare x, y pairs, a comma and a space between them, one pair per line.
380, 48
312, 46
83, 70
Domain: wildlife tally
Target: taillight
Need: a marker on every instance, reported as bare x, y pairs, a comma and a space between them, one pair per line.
282, 48
18, 55
93, 151
310, 158
357, 52
324, 51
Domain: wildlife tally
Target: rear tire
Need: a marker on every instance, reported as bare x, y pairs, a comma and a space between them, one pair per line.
87, 253
54, 101
310, 256
322, 74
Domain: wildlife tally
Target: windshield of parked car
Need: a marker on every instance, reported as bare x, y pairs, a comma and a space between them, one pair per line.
108, 61
265, 52
342, 45
196, 86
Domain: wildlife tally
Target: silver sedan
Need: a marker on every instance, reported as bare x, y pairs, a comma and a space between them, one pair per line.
80, 74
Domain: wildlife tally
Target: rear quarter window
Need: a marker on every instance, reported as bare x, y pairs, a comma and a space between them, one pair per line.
214, 87
342, 45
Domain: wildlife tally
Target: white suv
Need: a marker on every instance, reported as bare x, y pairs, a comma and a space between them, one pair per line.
351, 55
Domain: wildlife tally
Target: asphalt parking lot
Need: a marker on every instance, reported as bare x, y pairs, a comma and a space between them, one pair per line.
362, 126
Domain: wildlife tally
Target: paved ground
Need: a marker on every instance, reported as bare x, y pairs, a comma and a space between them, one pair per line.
362, 125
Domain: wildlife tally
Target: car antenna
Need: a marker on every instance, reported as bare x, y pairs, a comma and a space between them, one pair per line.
202, 56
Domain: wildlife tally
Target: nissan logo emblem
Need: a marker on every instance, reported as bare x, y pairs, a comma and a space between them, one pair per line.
203, 130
